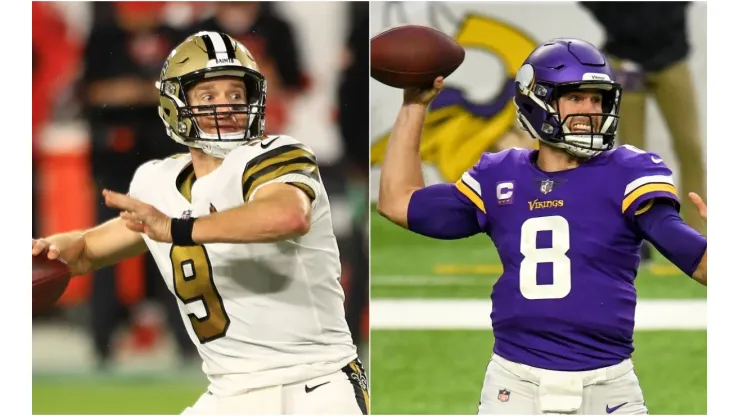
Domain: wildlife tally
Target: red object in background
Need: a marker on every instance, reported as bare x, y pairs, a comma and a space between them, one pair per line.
56, 55
66, 194
66, 207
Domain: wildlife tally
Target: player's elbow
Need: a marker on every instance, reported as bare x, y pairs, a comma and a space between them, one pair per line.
388, 210
383, 207
393, 209
297, 223
386, 198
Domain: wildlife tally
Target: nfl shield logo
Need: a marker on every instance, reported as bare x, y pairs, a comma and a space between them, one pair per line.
503, 395
546, 186
186, 214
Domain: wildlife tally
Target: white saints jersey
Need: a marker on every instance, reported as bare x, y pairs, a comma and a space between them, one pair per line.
260, 314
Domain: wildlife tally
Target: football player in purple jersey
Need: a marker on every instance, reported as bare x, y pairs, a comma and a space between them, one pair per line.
567, 220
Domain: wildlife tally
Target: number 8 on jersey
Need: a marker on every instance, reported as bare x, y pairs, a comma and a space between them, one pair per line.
561, 272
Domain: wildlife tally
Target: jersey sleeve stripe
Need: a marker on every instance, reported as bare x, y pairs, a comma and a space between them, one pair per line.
470, 194
283, 160
276, 155
646, 189
472, 184
646, 180
301, 166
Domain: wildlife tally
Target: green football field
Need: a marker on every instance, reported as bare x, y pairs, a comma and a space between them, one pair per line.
440, 371
88, 394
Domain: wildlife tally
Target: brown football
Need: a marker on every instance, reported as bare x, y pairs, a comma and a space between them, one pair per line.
413, 56
50, 279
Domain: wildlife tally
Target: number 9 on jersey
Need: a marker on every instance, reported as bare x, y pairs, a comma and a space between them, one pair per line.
193, 282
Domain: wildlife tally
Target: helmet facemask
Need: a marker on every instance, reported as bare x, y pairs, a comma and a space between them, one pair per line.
602, 126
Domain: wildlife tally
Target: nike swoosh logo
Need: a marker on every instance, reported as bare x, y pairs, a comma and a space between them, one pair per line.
656, 159
614, 409
310, 389
265, 145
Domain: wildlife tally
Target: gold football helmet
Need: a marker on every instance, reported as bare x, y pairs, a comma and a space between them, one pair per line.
205, 56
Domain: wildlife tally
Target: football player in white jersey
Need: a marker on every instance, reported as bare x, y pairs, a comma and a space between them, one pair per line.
241, 231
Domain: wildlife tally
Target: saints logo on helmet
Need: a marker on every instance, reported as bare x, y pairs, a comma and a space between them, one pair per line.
215, 128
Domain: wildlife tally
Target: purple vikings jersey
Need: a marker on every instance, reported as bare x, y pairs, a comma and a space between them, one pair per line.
566, 298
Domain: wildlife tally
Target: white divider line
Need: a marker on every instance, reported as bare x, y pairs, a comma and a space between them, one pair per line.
688, 314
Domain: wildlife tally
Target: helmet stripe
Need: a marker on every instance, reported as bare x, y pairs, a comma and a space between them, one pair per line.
209, 47
217, 44
229, 47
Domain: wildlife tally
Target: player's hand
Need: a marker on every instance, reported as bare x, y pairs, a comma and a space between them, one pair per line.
700, 205
423, 96
140, 217
40, 246
68, 247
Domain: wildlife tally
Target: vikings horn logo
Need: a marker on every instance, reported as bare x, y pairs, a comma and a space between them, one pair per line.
475, 109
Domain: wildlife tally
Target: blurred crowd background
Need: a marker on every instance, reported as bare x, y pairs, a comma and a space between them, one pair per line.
95, 121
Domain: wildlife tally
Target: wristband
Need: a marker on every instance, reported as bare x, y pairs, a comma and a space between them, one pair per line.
182, 231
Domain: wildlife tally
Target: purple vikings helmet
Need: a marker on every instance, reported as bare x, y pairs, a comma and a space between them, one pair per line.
557, 67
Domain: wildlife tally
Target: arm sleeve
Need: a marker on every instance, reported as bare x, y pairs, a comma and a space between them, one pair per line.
648, 178
676, 240
441, 211
450, 211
